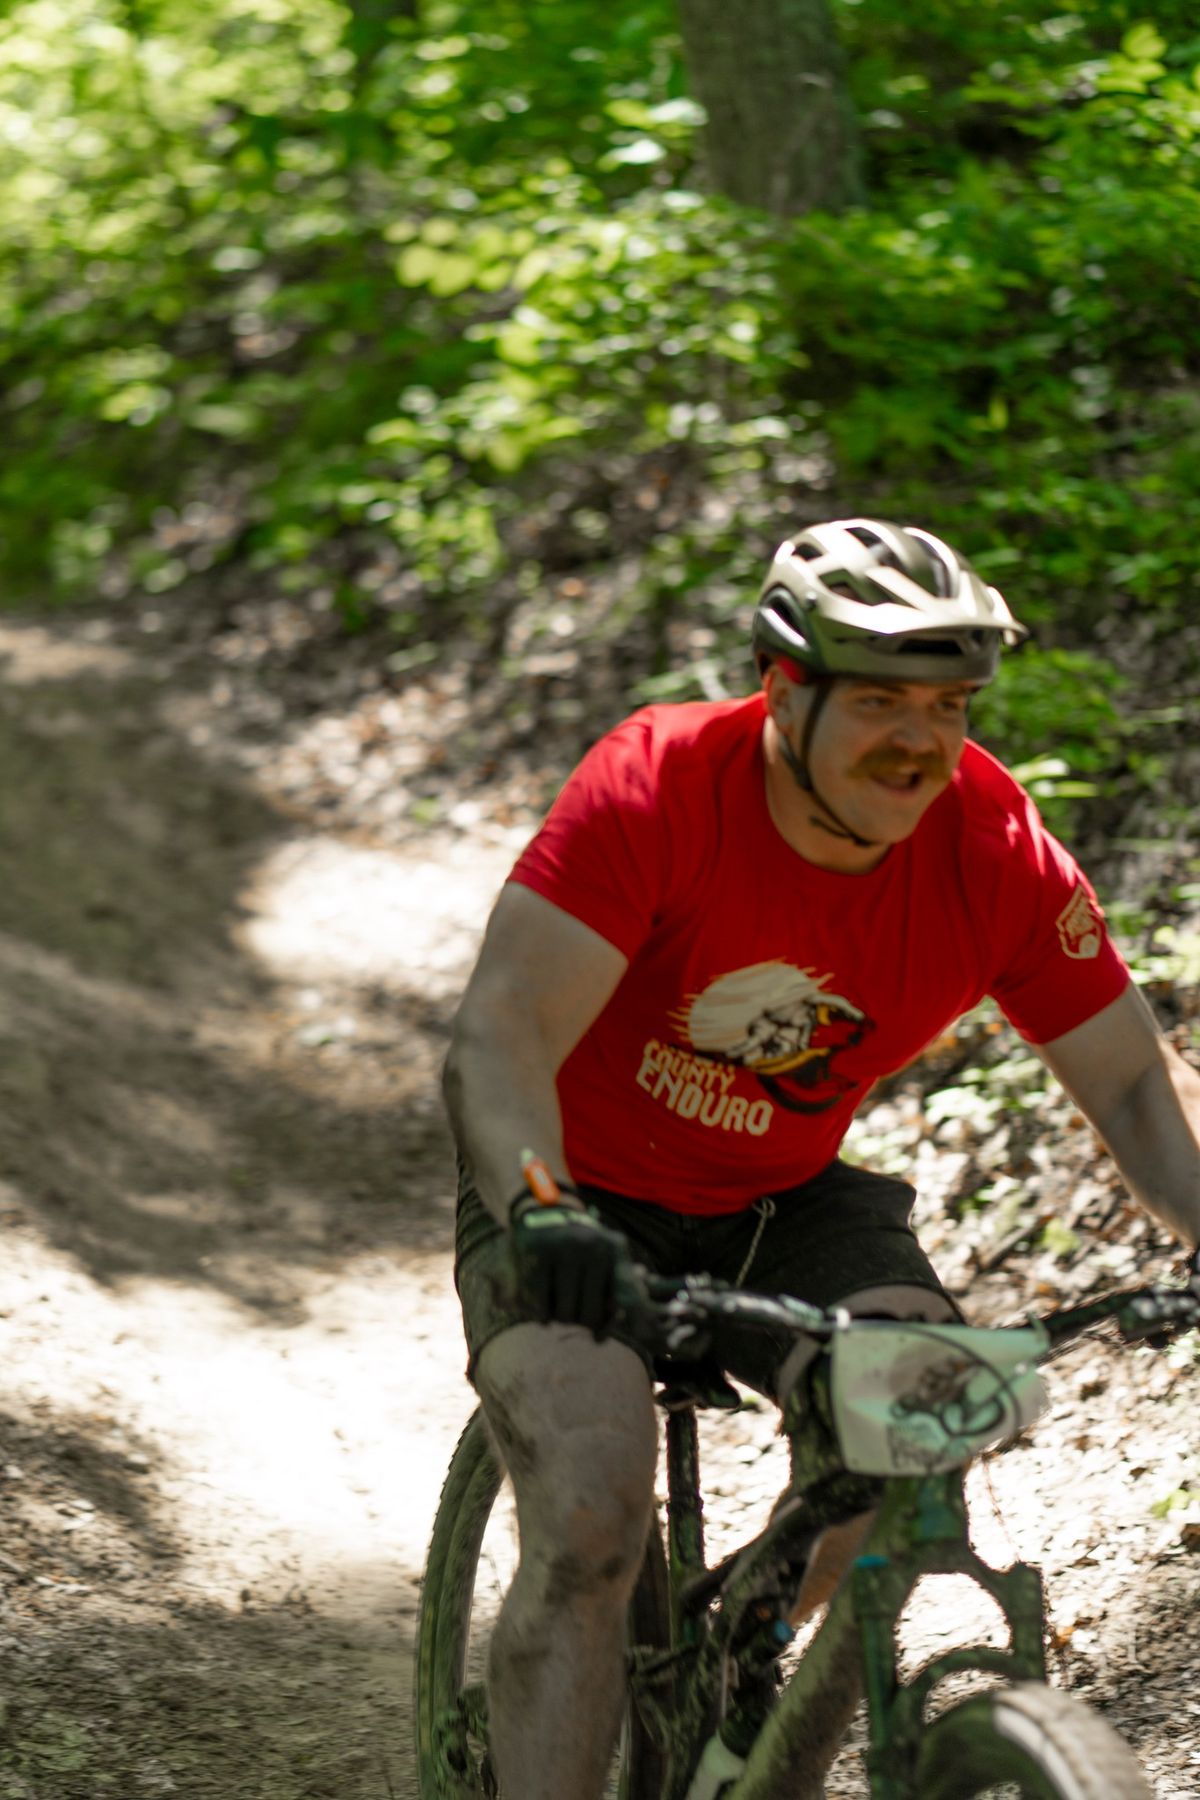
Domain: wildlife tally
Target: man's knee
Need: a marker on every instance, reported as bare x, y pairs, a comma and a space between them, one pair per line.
903, 1300
574, 1421
894, 1300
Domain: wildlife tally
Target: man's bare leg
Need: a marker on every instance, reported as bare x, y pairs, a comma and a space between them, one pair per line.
575, 1423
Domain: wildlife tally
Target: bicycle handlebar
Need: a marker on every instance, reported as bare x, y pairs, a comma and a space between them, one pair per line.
1137, 1313
673, 1311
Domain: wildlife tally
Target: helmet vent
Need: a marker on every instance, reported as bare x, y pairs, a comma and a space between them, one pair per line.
923, 646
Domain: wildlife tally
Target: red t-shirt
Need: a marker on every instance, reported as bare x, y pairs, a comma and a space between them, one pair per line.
765, 995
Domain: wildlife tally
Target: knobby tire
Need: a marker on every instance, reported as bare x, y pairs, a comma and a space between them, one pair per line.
444, 1624
1028, 1740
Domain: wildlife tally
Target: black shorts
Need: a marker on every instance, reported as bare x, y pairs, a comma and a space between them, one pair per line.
844, 1230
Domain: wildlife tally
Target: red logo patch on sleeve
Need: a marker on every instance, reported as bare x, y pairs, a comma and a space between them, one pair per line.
1080, 926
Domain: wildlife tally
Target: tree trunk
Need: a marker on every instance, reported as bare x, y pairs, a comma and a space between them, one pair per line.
781, 133
368, 31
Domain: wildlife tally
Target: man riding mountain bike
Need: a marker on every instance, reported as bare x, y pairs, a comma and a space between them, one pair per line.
736, 918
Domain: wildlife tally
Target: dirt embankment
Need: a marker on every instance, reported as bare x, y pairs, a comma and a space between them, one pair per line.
232, 1350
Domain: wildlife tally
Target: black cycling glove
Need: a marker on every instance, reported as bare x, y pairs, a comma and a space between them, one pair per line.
566, 1263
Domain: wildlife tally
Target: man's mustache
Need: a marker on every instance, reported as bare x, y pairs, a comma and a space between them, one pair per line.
886, 763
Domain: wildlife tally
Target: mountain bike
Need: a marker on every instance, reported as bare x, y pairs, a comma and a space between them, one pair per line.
881, 1429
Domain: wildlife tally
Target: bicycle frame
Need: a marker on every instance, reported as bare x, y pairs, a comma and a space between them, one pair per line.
920, 1529
714, 1657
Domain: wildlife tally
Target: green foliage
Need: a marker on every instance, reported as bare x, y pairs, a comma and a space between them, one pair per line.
1059, 695
1015, 1083
1058, 1240
1064, 698
1177, 1500
430, 319
1172, 958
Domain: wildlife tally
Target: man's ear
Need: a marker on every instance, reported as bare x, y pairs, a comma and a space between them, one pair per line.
785, 686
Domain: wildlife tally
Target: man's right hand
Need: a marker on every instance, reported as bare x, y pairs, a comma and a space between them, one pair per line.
566, 1262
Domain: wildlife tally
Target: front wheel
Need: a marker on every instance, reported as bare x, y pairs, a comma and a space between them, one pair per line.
1026, 1742
472, 1557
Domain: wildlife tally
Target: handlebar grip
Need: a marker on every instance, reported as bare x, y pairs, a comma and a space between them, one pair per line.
1159, 1311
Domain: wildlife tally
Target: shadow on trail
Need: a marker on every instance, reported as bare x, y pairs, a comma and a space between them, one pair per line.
211, 1703
163, 1111
122, 1675
1142, 1672
89, 1473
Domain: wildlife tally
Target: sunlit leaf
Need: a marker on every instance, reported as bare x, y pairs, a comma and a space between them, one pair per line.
225, 420
641, 151
506, 451
518, 343
416, 267
452, 273
1143, 42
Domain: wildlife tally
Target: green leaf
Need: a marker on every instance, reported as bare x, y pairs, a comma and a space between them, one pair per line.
531, 268
1176, 1501
440, 232
1143, 42
1043, 768
642, 151
519, 343
416, 267
506, 451
678, 112
1059, 1239
630, 112
453, 273
397, 431
226, 419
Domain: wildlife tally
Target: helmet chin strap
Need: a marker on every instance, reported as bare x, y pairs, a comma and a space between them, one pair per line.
799, 766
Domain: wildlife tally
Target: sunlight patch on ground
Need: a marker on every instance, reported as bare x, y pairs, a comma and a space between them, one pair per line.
33, 653
286, 1458
322, 910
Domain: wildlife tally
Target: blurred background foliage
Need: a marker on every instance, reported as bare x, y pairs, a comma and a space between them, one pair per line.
428, 315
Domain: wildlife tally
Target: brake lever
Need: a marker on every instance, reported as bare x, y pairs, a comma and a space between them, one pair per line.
657, 1311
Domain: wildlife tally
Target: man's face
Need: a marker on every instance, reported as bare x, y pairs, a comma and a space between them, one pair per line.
883, 752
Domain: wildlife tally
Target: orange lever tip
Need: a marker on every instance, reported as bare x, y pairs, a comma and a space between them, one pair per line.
539, 1180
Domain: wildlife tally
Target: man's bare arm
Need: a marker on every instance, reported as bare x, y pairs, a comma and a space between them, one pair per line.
541, 979
1144, 1100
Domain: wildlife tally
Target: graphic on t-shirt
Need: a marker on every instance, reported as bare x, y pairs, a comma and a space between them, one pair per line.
783, 1024
1080, 927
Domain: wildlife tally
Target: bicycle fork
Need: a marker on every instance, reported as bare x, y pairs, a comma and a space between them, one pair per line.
934, 1541
921, 1530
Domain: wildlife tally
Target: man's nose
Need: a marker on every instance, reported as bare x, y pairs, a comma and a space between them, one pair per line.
913, 729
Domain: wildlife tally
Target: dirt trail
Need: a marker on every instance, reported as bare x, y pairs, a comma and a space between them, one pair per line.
232, 1350
234, 1371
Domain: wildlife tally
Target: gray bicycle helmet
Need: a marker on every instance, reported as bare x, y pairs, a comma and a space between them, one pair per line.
866, 598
